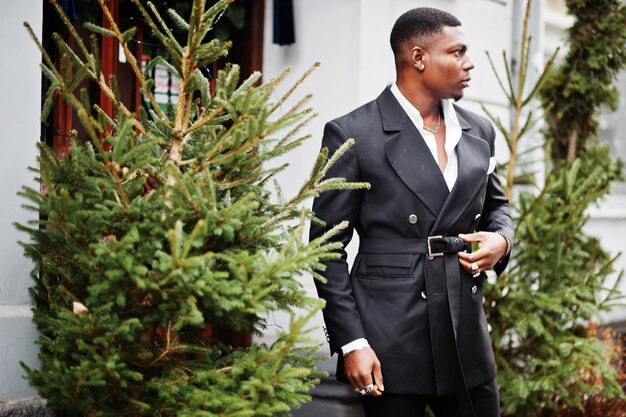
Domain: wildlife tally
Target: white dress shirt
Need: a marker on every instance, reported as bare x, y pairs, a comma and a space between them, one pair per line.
450, 172
453, 133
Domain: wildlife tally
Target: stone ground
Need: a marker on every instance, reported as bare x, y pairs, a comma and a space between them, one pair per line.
34, 407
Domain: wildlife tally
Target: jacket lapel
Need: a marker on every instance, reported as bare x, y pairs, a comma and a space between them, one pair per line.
409, 156
473, 155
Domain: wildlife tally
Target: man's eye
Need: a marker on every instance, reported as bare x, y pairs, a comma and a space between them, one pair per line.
459, 53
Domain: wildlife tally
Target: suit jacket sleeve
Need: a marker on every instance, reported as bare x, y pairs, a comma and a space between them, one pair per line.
340, 314
496, 211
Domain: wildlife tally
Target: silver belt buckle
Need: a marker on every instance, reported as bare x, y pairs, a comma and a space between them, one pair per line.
430, 256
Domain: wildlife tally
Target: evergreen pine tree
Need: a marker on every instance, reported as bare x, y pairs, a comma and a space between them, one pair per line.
579, 88
160, 227
560, 278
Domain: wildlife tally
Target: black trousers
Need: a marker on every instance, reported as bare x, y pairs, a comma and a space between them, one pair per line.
485, 402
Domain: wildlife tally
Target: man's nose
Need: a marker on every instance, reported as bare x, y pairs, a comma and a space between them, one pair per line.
468, 65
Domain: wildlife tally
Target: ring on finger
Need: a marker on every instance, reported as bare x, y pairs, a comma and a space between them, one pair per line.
366, 389
475, 267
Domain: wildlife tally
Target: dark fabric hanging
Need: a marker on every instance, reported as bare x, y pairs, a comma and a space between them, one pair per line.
284, 33
69, 7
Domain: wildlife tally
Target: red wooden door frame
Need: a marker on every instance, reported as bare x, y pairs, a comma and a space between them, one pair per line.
109, 57
61, 115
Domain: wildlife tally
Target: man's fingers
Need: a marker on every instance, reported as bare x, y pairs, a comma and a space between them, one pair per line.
483, 258
471, 237
365, 383
365, 380
378, 376
474, 256
468, 261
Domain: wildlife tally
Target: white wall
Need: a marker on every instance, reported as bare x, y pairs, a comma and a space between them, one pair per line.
608, 224
20, 81
350, 38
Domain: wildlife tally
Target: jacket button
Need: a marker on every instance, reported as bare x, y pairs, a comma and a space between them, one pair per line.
477, 217
423, 295
412, 219
474, 289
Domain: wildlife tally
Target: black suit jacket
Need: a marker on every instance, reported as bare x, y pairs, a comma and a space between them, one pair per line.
420, 316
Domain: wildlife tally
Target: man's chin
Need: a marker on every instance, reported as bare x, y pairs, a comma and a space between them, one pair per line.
457, 97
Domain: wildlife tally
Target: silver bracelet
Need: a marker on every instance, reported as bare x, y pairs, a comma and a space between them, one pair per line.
508, 242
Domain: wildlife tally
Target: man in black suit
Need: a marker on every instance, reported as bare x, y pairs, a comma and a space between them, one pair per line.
407, 321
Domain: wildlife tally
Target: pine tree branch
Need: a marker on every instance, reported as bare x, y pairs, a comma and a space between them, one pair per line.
183, 107
203, 121
176, 55
166, 29
130, 58
280, 122
96, 75
508, 94
314, 185
292, 89
68, 25
169, 349
61, 87
542, 78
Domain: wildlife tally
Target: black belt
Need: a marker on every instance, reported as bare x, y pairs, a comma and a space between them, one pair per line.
432, 246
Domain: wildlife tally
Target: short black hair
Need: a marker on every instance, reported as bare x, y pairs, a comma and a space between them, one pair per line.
418, 23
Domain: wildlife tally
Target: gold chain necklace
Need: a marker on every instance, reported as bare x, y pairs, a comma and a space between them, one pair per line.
436, 127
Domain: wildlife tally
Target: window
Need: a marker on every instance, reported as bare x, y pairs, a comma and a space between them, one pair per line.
613, 130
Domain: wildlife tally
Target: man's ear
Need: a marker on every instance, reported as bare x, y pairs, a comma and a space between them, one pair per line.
417, 58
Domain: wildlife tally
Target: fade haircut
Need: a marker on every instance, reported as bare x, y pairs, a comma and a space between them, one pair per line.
419, 23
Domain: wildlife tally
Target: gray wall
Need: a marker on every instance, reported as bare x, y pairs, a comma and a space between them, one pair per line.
20, 79
608, 224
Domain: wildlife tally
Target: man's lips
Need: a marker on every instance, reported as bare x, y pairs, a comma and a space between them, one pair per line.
466, 82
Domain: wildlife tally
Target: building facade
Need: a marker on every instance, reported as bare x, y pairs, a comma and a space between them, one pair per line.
20, 78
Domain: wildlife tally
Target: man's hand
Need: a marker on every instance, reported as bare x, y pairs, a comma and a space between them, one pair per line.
492, 246
362, 368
